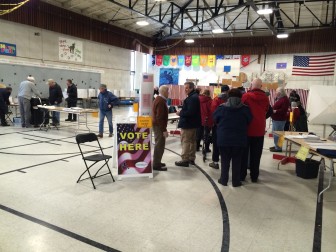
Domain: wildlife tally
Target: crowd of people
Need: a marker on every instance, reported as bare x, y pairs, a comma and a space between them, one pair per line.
234, 122
28, 89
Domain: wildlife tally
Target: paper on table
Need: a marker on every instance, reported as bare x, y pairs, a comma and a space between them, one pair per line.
302, 136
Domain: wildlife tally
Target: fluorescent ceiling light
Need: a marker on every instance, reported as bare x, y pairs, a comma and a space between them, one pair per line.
264, 11
189, 41
218, 31
282, 35
142, 23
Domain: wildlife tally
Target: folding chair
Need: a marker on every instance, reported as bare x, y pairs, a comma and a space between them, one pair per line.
96, 158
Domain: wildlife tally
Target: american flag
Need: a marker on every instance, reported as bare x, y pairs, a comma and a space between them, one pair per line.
322, 65
133, 161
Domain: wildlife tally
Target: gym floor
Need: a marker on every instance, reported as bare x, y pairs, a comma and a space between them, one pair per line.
42, 208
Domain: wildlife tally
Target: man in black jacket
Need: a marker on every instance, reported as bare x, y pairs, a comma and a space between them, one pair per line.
190, 120
72, 100
4, 102
55, 99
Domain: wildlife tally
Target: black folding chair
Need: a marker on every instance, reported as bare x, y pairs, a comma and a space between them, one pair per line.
96, 158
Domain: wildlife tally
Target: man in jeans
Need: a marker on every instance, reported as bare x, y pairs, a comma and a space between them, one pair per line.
160, 120
106, 101
190, 120
26, 89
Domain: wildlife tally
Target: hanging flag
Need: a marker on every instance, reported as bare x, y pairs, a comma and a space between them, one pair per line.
236, 57
281, 66
195, 61
180, 60
227, 56
153, 60
173, 60
204, 60
166, 60
211, 60
219, 56
187, 60
158, 60
322, 65
245, 60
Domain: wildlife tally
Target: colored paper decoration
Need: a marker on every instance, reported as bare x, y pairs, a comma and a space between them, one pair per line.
195, 61
153, 60
166, 60
245, 60
173, 60
204, 60
187, 60
158, 60
211, 60
180, 60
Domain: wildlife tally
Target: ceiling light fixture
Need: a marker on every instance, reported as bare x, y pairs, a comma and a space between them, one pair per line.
142, 23
282, 35
264, 11
189, 41
216, 31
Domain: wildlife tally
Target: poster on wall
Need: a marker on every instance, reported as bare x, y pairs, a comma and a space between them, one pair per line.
70, 50
169, 76
134, 152
7, 49
146, 94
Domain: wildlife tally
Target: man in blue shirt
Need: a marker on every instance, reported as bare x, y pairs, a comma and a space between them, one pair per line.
106, 101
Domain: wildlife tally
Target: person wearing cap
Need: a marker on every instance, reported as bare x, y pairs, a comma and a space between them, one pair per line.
106, 101
218, 100
55, 99
26, 89
71, 100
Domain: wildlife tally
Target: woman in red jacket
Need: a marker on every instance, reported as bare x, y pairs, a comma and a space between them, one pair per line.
279, 116
207, 122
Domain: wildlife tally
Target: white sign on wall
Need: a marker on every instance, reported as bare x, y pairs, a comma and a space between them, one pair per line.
70, 49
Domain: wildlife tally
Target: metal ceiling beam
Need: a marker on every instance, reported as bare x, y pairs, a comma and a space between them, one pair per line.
255, 8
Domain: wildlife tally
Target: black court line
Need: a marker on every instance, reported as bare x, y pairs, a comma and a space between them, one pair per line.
225, 214
32, 166
319, 213
59, 229
48, 142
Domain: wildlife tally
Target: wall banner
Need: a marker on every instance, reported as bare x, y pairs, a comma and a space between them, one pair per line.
7, 49
70, 49
134, 151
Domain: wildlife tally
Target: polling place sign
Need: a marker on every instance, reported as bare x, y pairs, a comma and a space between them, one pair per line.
134, 151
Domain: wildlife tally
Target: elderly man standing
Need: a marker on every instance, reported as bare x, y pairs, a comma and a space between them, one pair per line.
55, 99
160, 120
26, 89
258, 103
106, 101
190, 120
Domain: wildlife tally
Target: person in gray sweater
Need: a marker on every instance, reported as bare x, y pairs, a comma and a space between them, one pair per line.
26, 90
